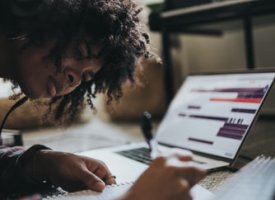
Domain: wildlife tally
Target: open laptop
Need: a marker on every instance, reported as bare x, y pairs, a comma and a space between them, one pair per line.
211, 116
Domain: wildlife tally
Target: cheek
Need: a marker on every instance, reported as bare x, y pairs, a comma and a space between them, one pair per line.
32, 75
33, 69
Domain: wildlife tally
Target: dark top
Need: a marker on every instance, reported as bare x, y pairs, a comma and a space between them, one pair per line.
12, 178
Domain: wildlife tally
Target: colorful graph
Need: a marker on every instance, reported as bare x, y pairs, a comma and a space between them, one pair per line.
213, 113
244, 95
232, 127
233, 131
237, 100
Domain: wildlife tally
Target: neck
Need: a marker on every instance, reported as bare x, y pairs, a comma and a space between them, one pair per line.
5, 68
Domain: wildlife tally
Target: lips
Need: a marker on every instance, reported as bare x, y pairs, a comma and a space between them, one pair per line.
51, 87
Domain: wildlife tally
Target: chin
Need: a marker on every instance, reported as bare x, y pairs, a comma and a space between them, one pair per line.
33, 94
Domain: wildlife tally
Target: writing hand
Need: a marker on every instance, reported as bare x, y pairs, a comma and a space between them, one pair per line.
165, 181
71, 172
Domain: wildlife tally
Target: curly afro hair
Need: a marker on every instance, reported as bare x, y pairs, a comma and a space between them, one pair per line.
114, 25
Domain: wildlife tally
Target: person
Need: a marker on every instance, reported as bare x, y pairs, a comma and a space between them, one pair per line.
69, 51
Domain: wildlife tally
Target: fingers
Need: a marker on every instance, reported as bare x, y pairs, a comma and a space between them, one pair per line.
181, 154
177, 156
103, 172
192, 174
110, 179
98, 175
93, 182
176, 165
185, 158
185, 191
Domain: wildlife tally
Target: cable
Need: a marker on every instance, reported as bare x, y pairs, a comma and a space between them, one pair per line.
16, 105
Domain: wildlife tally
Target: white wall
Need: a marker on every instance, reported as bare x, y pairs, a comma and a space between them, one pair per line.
265, 46
203, 53
206, 53
213, 53
228, 51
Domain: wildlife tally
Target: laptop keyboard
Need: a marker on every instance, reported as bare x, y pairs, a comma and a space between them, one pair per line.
139, 154
143, 155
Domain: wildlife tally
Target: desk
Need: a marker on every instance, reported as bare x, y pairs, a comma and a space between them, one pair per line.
99, 133
189, 20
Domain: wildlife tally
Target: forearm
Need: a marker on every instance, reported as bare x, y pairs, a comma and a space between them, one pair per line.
8, 171
14, 162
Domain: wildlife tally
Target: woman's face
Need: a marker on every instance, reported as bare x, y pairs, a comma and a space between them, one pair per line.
38, 77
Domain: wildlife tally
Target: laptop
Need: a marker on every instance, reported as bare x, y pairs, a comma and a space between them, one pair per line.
210, 116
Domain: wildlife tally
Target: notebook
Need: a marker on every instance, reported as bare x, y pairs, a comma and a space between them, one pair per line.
115, 191
253, 182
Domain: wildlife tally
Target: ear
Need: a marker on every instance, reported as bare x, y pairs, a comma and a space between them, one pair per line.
25, 8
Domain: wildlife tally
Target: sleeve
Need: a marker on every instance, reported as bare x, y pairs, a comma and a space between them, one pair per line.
12, 161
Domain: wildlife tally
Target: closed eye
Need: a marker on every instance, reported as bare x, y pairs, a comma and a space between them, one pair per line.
81, 51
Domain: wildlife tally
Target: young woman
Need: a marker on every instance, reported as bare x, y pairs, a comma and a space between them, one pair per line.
68, 51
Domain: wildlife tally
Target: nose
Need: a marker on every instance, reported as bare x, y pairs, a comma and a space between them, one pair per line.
73, 78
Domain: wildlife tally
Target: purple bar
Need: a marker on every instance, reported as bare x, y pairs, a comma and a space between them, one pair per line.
242, 92
241, 131
229, 133
238, 90
233, 128
251, 95
242, 110
201, 141
237, 137
194, 107
209, 117
241, 126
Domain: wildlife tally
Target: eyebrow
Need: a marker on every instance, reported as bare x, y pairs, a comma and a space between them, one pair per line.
91, 54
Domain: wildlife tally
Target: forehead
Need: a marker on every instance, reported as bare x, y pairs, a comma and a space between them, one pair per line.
87, 46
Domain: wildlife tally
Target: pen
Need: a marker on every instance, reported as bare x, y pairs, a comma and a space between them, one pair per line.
146, 127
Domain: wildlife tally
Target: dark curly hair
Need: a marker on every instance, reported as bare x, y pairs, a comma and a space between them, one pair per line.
115, 25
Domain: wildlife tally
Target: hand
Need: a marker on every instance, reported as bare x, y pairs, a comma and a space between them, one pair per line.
71, 172
165, 181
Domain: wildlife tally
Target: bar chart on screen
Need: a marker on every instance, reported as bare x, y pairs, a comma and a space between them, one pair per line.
233, 128
214, 113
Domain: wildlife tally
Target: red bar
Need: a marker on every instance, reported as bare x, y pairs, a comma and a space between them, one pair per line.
240, 100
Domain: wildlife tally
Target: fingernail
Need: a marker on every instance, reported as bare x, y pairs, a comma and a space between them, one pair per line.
99, 186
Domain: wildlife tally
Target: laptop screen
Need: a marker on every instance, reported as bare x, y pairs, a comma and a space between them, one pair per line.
212, 113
